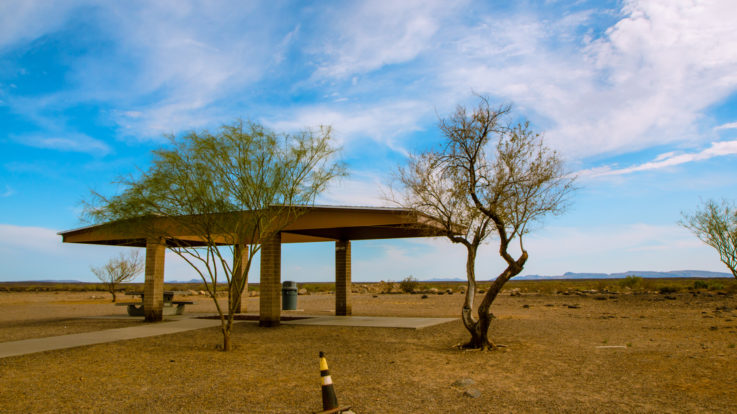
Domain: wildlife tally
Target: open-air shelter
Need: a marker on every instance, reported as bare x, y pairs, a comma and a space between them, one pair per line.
340, 225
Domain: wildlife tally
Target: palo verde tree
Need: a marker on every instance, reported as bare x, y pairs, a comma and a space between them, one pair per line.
227, 191
495, 178
716, 225
118, 270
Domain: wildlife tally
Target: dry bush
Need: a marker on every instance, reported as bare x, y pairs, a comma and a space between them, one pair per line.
409, 284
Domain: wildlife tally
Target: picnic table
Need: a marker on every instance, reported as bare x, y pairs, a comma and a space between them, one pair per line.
171, 306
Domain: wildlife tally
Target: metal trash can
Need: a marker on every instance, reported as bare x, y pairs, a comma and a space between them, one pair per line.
289, 295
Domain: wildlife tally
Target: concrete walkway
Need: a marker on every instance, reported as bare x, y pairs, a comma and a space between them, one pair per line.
190, 322
30, 346
371, 321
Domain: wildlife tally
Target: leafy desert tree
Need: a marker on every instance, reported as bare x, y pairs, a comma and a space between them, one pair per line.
123, 268
489, 178
229, 191
716, 225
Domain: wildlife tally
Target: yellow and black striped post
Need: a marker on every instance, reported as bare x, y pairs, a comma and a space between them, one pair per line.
329, 400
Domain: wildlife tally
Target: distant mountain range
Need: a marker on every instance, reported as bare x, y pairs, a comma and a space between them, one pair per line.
45, 281
621, 275
640, 273
564, 276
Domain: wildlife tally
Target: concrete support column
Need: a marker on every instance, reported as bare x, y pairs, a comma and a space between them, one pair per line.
270, 286
240, 261
343, 277
153, 290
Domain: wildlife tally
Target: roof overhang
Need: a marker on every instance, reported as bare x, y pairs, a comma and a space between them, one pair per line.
314, 224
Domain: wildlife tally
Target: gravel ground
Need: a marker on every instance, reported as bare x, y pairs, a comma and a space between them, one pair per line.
594, 353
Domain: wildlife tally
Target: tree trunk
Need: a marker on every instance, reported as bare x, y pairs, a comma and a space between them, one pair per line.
226, 336
467, 313
479, 330
113, 292
240, 278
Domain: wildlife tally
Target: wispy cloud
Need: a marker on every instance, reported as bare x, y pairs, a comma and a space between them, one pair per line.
23, 21
39, 239
70, 142
360, 189
645, 82
369, 35
665, 160
382, 122
163, 69
730, 125
8, 191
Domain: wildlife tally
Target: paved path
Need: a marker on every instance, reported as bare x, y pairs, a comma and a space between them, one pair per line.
30, 346
371, 321
188, 323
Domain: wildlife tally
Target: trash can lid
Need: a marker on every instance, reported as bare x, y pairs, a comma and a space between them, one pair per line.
289, 284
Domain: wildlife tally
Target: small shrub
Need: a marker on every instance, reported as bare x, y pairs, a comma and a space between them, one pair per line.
668, 289
716, 286
700, 284
601, 285
631, 281
409, 284
385, 287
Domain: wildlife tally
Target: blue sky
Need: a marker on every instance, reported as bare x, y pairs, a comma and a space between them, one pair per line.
640, 97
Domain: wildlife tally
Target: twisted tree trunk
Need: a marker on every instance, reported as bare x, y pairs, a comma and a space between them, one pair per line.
479, 329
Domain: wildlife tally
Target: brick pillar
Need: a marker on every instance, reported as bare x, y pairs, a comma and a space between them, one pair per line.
343, 277
240, 260
270, 285
153, 290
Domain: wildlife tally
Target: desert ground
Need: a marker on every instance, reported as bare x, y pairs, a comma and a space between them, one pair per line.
574, 352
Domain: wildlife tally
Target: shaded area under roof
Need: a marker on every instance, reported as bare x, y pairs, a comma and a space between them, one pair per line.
316, 224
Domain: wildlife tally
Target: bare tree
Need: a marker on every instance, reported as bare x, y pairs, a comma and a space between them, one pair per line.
430, 187
501, 187
229, 191
118, 270
716, 225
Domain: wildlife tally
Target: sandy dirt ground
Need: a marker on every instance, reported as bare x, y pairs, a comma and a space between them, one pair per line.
593, 353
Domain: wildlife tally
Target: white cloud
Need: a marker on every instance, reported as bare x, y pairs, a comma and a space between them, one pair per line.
382, 122
669, 159
163, 69
360, 189
646, 82
730, 125
181, 67
369, 35
68, 142
22, 21
22, 237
